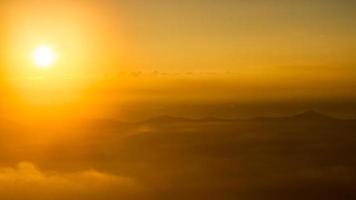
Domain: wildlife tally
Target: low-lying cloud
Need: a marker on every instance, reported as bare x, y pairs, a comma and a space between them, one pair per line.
26, 181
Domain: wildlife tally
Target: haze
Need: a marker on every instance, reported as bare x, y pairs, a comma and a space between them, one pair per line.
177, 99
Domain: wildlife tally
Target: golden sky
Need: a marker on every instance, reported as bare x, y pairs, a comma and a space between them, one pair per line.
257, 49
185, 35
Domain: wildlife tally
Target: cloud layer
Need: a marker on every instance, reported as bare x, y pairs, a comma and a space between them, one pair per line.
27, 181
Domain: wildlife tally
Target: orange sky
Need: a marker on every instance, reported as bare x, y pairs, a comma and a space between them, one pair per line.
273, 49
183, 35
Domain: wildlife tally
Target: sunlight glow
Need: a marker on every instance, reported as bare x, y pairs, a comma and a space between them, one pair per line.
43, 57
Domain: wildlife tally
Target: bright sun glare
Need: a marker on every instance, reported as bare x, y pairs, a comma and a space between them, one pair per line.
43, 57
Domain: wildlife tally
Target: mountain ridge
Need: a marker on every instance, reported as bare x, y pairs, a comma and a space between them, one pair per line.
307, 116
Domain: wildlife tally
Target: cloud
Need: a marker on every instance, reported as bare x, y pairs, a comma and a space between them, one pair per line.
29, 182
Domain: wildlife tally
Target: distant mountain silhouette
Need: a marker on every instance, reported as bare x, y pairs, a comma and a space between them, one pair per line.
167, 119
172, 119
108, 124
214, 119
309, 115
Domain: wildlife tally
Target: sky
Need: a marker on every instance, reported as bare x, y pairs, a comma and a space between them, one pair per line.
192, 35
237, 34
213, 51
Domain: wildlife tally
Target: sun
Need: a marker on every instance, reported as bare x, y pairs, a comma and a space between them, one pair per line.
43, 57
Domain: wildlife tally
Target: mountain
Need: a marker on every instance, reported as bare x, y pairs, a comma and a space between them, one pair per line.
171, 119
307, 116
166, 119
311, 115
